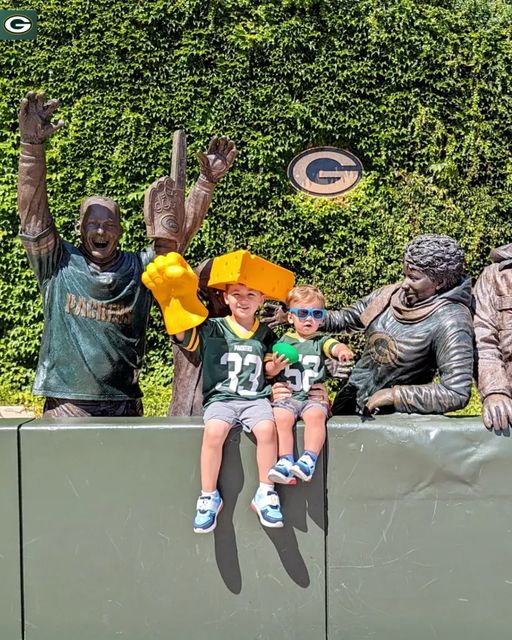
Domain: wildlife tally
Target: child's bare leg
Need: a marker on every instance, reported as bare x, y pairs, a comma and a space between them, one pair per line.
314, 438
214, 435
284, 424
266, 447
314, 429
280, 472
266, 501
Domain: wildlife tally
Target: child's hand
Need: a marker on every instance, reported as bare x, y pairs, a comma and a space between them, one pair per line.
280, 362
276, 365
281, 391
342, 353
318, 393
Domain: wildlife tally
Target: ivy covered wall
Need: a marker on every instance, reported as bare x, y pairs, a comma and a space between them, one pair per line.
419, 91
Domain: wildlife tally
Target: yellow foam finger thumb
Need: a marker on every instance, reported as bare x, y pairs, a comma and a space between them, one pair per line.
184, 313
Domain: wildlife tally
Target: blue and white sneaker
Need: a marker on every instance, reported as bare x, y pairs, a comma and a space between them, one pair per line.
280, 472
208, 508
268, 508
304, 468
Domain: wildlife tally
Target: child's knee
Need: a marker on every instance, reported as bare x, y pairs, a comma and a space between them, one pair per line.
215, 433
284, 419
265, 431
315, 418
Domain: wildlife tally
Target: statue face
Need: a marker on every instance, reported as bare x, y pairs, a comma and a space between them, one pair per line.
417, 286
100, 233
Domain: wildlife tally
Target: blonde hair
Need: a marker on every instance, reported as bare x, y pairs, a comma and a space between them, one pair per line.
306, 294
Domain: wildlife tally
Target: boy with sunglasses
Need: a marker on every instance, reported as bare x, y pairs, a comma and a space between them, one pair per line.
306, 312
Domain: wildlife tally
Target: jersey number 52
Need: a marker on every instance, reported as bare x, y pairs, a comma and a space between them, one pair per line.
302, 379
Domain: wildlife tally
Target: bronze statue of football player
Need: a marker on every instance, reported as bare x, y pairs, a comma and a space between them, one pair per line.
95, 307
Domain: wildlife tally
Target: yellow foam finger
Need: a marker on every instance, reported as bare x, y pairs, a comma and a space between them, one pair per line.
151, 270
147, 281
174, 258
175, 272
160, 262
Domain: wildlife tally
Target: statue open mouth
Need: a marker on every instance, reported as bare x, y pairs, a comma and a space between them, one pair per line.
406, 298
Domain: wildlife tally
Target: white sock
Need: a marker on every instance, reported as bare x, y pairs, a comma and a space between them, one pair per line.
208, 494
265, 486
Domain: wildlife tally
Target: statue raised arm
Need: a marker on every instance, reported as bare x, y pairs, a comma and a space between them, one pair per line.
171, 220
95, 307
34, 115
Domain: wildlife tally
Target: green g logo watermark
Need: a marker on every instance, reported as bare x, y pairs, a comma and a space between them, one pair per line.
18, 25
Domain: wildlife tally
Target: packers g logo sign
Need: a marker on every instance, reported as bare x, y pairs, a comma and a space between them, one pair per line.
325, 172
18, 25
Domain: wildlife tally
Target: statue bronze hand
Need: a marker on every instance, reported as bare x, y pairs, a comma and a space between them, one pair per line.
274, 314
217, 161
381, 398
35, 118
337, 369
497, 411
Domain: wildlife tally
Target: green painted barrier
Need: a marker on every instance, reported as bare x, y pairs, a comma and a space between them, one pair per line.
420, 530
418, 543
109, 550
10, 592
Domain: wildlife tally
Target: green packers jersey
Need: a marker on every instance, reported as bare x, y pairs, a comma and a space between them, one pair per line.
95, 321
311, 365
232, 359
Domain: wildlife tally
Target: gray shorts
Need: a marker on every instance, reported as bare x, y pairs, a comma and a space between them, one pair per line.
244, 413
299, 407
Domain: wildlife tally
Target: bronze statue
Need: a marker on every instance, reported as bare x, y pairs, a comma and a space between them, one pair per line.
493, 333
187, 382
414, 331
95, 306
